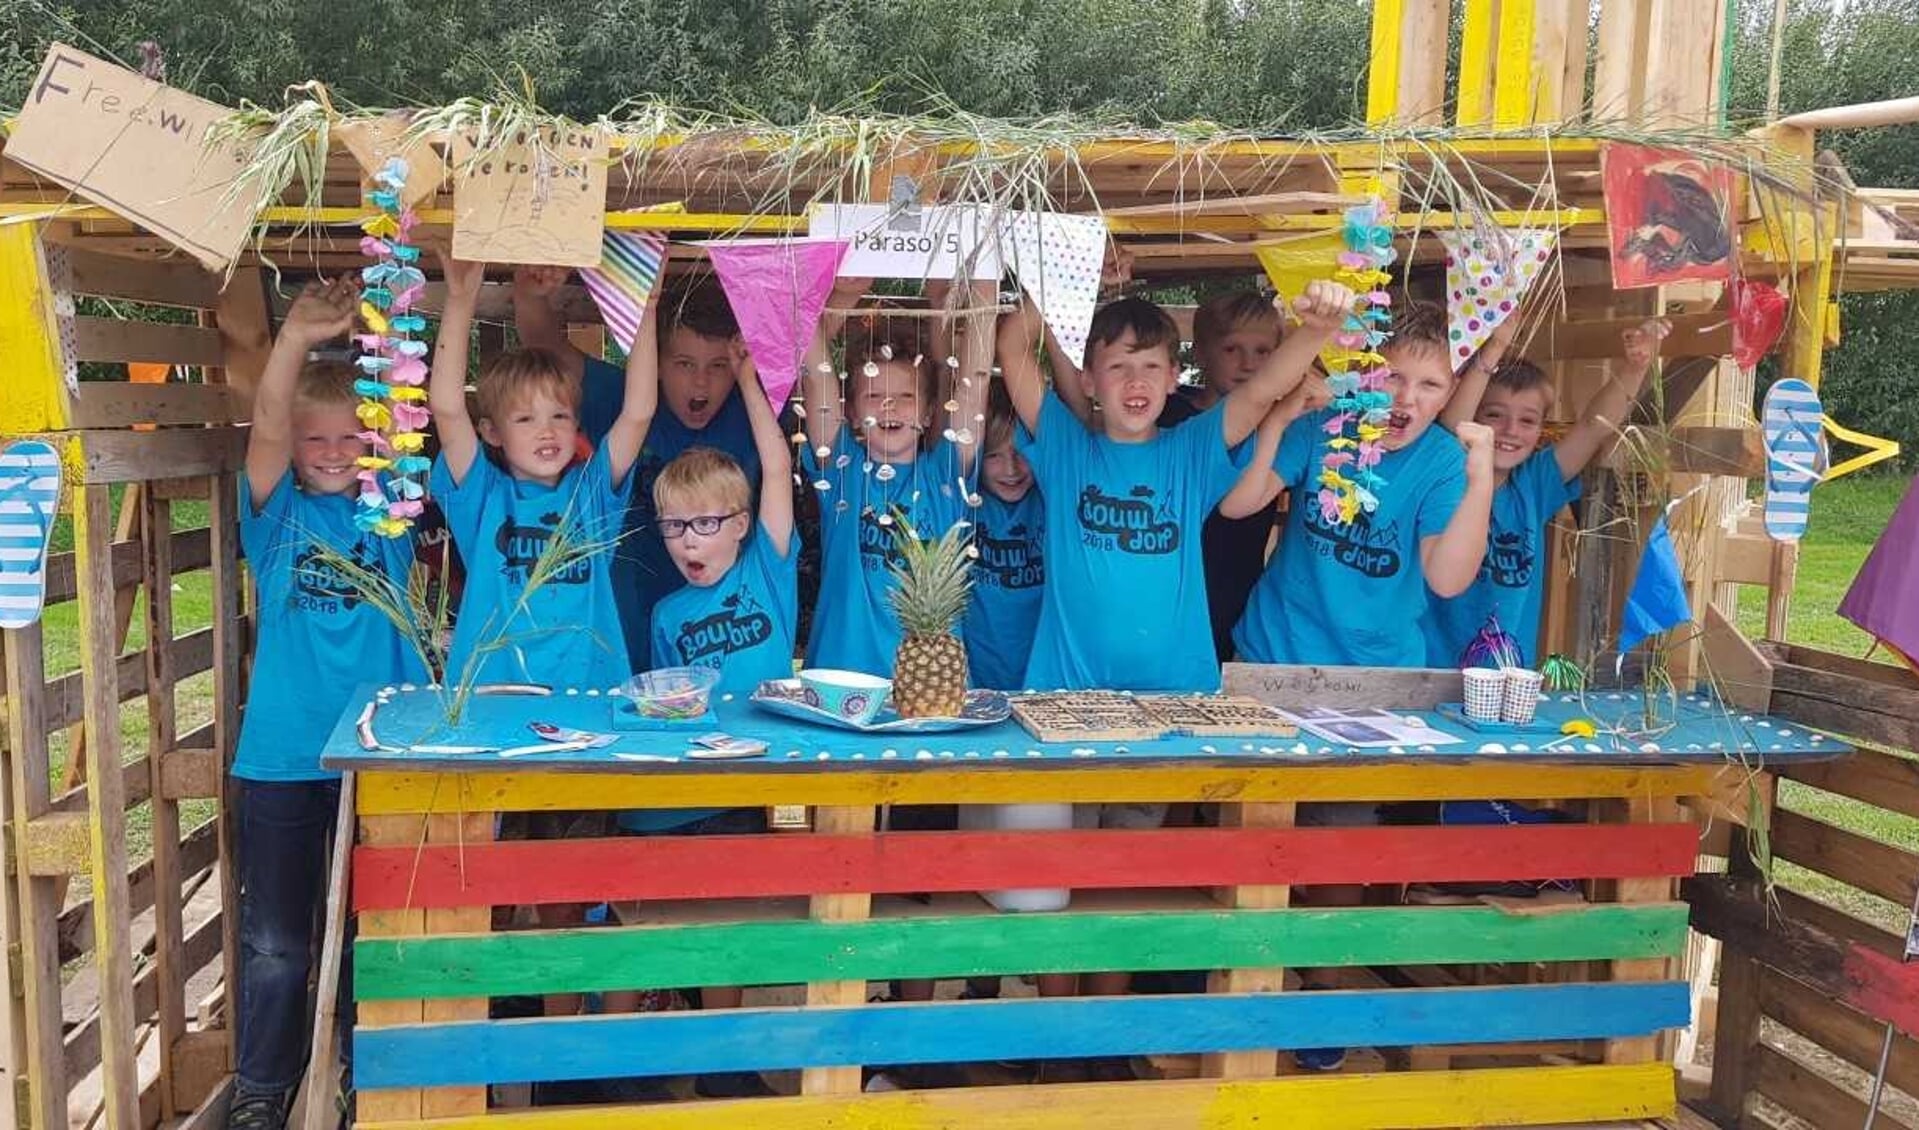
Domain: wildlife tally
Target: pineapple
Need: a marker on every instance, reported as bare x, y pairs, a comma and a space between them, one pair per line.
932, 582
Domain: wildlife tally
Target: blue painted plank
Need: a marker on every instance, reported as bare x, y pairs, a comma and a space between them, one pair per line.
685, 1043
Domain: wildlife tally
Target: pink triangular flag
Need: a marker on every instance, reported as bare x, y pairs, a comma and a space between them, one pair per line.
1487, 275
1057, 257
777, 288
629, 270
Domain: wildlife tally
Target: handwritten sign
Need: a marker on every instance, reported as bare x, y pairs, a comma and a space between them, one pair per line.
138, 148
910, 241
373, 140
534, 200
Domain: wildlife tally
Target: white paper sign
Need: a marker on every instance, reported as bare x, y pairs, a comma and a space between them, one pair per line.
913, 241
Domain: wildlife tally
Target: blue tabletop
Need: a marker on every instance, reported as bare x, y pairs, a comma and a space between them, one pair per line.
1696, 729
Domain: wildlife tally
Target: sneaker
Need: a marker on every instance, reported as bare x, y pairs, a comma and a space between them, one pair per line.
1320, 1059
732, 1085
264, 1110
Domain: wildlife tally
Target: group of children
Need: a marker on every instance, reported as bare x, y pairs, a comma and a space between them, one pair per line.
612, 520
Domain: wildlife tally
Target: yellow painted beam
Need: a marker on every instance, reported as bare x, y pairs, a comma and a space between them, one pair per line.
33, 394
384, 793
1382, 70
1513, 78
1475, 103
1413, 1100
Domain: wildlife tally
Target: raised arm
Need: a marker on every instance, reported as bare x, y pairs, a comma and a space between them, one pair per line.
1451, 558
975, 375
1605, 414
820, 382
1259, 484
323, 311
446, 388
776, 457
1018, 342
1322, 311
628, 433
538, 321
1477, 374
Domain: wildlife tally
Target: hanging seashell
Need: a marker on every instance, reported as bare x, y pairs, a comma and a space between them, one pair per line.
823, 453
822, 485
868, 422
843, 461
884, 472
799, 410
949, 435
886, 519
952, 362
964, 437
886, 352
825, 367
870, 369
952, 406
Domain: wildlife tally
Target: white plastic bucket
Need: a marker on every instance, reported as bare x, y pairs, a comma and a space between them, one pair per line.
1020, 818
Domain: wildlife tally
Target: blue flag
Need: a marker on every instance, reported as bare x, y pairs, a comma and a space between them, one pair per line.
1658, 599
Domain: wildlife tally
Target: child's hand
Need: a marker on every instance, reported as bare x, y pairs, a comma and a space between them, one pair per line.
1117, 269
1642, 343
322, 312
1477, 439
463, 279
1324, 307
540, 281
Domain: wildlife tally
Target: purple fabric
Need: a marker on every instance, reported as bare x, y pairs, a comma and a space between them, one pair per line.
1884, 597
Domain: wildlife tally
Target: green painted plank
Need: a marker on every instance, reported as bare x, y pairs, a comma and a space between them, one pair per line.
763, 953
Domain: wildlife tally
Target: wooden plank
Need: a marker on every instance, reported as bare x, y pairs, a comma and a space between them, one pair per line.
1265, 977
1883, 780
33, 913
1740, 673
1843, 1031
190, 552
1642, 1049
842, 1077
1289, 686
114, 339
688, 1043
198, 851
200, 1068
229, 636
1808, 1093
532, 872
392, 792
245, 326
1737, 1023
34, 396
756, 953
189, 774
174, 453
1850, 721
372, 1104
1838, 923
474, 828
120, 404
322, 1065
1476, 63
65, 696
169, 933
1745, 559
163, 282
106, 806
1426, 1100
55, 844
1693, 335
200, 946
1713, 450
1513, 76
1849, 857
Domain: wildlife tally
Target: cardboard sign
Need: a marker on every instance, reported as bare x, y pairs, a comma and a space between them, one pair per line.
533, 200
910, 241
373, 140
138, 148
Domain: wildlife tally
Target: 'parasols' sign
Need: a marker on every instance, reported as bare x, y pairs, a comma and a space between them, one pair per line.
907, 240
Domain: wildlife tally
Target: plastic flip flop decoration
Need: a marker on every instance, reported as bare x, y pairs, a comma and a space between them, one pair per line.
392, 388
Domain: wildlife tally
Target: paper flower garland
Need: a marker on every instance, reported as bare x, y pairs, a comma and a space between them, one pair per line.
392, 384
1349, 482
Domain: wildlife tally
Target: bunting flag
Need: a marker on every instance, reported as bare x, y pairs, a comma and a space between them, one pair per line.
1658, 598
629, 270
1884, 597
778, 288
1056, 257
1487, 276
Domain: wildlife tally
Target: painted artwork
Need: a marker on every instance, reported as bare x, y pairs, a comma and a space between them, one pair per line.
1668, 216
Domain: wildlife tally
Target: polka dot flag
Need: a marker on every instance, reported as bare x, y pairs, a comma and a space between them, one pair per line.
1487, 276
1057, 259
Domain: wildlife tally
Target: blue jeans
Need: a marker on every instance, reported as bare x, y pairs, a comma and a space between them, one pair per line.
285, 828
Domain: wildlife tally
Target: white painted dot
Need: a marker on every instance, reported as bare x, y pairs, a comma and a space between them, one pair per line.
1492, 747
923, 755
822, 756
1001, 753
1207, 749
859, 757
1784, 733
1522, 749
1592, 747
1083, 751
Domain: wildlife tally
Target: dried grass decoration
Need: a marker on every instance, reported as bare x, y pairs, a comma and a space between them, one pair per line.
1349, 481
393, 371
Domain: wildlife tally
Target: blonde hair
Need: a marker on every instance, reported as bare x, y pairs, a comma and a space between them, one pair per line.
1223, 314
704, 474
1000, 418
325, 384
1419, 326
884, 341
515, 376
1516, 375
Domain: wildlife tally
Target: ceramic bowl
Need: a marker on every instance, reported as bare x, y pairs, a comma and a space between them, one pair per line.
672, 692
852, 695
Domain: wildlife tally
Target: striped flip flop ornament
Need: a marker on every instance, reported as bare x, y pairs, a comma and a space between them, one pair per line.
29, 498
1792, 420
629, 270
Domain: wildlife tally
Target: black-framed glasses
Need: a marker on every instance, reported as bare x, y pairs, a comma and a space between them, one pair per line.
705, 525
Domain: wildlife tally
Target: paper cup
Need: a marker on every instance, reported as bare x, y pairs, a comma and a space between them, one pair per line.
1485, 691
1522, 696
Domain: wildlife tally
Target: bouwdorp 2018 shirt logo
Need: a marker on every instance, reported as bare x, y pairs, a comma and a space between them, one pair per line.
520, 548
1135, 523
739, 625
1356, 545
318, 584
1509, 561
1012, 562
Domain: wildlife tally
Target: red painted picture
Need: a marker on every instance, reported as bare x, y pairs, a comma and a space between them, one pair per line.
1668, 216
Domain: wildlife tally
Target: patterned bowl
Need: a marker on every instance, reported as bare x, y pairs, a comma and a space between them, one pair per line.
851, 695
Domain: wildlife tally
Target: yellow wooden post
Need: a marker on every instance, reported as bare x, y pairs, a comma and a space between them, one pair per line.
1514, 77
1406, 78
34, 397
1475, 106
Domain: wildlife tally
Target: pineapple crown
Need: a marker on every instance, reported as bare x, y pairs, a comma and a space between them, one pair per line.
933, 578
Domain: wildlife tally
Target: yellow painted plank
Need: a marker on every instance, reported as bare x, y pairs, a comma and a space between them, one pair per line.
1476, 64
33, 397
385, 793
1402, 1101
1382, 70
1514, 78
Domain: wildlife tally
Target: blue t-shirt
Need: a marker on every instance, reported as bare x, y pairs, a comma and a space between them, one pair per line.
1009, 578
1511, 582
318, 637
854, 628
741, 625
642, 571
569, 631
1353, 594
1125, 598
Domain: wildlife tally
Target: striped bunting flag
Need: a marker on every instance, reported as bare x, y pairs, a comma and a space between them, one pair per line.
29, 498
629, 270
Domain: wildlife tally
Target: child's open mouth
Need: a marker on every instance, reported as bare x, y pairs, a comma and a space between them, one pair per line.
1399, 421
547, 452
698, 405
1137, 405
695, 569
1506, 446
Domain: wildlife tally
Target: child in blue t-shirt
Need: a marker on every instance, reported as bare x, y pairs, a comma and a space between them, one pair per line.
1346, 593
1512, 397
536, 529
1009, 575
864, 454
699, 350
319, 638
1125, 600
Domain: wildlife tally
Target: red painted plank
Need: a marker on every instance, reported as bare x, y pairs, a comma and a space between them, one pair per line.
695, 867
1884, 988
